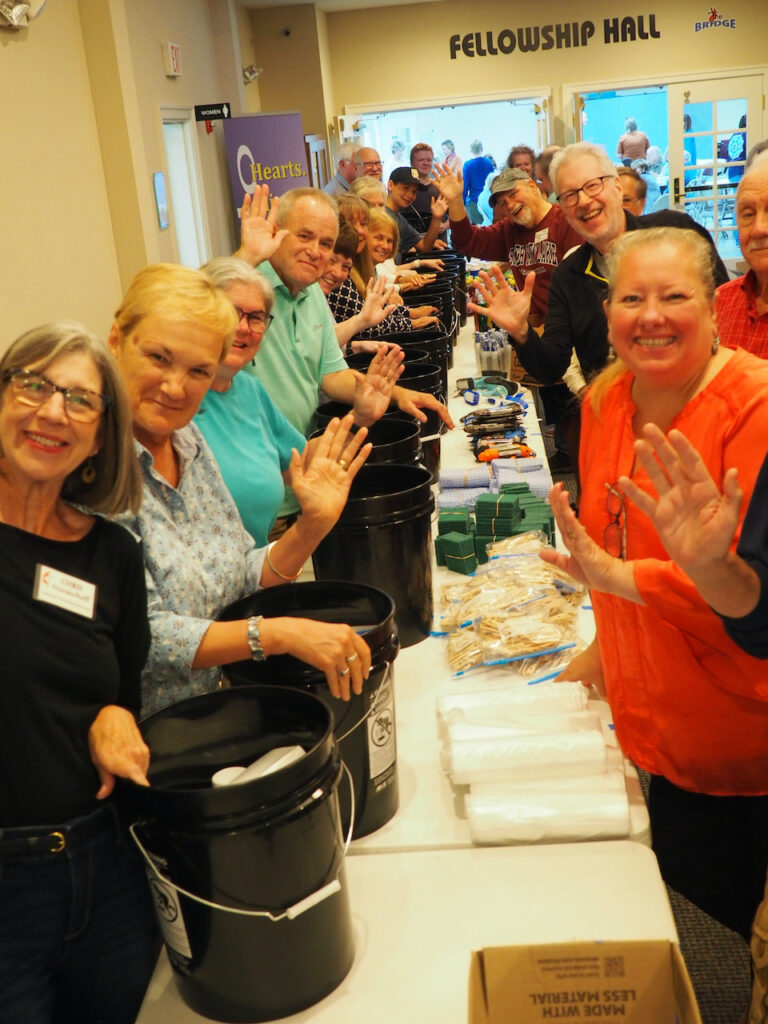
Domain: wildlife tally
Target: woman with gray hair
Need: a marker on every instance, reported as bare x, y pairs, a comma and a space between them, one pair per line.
250, 437
76, 921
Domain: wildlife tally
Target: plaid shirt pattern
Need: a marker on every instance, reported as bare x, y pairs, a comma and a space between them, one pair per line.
738, 322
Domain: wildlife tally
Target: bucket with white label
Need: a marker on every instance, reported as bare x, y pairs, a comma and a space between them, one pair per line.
247, 878
365, 725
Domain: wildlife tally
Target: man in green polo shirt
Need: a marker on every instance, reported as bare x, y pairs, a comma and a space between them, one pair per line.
300, 356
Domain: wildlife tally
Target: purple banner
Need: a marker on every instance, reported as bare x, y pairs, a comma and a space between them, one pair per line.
265, 149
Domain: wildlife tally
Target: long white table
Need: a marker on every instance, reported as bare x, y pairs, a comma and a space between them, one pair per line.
423, 897
431, 814
417, 917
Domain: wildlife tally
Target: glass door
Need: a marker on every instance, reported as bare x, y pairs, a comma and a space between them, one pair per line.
712, 125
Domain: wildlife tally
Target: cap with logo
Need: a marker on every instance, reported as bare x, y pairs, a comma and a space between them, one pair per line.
505, 181
404, 176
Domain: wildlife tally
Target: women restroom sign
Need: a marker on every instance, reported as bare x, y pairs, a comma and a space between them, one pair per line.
265, 149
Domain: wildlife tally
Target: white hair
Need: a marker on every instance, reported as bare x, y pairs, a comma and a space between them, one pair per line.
346, 151
574, 152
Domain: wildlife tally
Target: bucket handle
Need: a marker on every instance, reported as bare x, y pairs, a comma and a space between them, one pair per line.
289, 913
368, 713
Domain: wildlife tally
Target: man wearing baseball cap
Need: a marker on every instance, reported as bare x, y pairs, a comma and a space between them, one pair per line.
402, 188
532, 234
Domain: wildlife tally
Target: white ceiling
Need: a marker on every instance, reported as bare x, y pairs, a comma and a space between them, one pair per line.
333, 5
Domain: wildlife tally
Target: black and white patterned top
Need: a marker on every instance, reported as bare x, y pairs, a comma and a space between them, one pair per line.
346, 301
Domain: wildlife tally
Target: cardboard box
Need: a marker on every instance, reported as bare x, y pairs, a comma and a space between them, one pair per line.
638, 982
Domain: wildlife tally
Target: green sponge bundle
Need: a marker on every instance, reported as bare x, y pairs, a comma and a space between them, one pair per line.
455, 520
457, 551
463, 538
498, 515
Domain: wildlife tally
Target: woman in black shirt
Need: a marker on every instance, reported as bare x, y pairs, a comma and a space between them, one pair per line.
76, 922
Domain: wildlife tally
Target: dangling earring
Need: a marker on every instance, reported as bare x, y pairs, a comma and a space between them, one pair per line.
88, 472
715, 344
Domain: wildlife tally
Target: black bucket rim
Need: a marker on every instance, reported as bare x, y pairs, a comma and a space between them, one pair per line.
286, 599
224, 803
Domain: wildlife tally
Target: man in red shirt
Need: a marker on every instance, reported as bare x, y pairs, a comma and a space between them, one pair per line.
742, 305
532, 235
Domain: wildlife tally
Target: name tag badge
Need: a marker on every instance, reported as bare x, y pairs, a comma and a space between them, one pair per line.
65, 591
541, 236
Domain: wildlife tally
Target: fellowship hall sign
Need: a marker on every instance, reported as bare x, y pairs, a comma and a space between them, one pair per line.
564, 35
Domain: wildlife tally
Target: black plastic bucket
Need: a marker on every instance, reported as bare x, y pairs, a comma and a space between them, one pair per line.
325, 413
383, 538
393, 440
362, 360
243, 944
436, 340
365, 725
427, 377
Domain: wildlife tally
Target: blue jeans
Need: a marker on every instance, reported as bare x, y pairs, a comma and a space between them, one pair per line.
77, 931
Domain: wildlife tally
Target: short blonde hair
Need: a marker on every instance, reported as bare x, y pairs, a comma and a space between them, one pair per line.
117, 484
179, 294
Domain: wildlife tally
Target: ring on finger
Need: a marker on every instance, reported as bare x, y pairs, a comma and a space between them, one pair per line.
343, 671
344, 464
351, 658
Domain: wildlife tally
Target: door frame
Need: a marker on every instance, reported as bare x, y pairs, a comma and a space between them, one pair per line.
536, 94
571, 91
186, 117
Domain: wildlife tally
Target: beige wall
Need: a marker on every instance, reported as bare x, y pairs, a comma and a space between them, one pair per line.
293, 74
187, 23
248, 56
57, 254
378, 56
82, 135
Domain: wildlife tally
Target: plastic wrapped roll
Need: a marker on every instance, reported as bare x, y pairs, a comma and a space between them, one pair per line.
610, 781
527, 757
508, 704
478, 726
537, 817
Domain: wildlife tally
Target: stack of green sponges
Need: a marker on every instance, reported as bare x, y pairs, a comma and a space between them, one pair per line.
455, 520
497, 515
458, 552
537, 515
462, 540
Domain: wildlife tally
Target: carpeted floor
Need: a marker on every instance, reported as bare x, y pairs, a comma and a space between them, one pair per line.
717, 961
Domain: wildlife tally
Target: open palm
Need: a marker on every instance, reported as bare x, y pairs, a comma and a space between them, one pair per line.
695, 522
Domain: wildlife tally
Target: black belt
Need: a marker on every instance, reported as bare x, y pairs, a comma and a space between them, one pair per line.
20, 842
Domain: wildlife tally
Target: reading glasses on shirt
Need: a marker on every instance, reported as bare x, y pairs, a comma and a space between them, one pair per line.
259, 319
593, 187
35, 390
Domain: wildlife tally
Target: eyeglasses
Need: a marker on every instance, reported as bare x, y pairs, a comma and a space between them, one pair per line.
368, 163
593, 187
35, 390
259, 319
615, 533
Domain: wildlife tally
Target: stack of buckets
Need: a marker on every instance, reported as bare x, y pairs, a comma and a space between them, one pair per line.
248, 879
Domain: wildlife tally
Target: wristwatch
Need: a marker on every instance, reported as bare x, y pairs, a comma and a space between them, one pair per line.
254, 638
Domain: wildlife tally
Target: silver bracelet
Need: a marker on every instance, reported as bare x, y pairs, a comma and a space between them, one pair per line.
254, 638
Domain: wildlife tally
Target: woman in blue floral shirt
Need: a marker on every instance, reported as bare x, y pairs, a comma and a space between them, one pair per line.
170, 334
